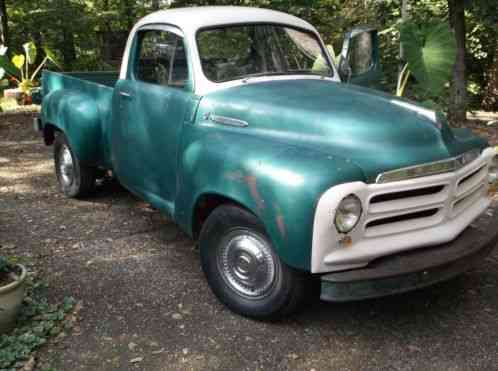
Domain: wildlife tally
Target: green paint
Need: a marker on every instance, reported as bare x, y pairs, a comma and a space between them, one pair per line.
304, 136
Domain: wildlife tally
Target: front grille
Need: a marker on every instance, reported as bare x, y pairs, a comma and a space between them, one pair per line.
402, 218
464, 202
423, 203
407, 194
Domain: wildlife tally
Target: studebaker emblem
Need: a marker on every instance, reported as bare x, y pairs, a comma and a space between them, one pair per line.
432, 168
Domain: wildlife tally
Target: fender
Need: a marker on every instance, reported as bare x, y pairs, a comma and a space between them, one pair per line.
279, 183
77, 115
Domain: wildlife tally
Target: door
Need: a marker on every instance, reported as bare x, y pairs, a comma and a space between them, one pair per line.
151, 109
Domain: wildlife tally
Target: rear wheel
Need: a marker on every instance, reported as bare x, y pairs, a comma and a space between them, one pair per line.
75, 180
243, 270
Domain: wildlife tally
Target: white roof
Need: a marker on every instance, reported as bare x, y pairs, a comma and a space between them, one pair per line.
189, 20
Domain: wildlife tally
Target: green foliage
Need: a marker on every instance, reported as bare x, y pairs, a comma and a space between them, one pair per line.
430, 53
21, 63
4, 265
8, 104
75, 29
38, 322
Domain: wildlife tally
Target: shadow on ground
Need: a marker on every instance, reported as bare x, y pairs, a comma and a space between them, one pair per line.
145, 299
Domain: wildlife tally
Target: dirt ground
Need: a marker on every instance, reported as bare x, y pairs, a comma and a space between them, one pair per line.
146, 305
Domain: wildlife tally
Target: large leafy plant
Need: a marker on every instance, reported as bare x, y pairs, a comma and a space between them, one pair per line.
20, 66
430, 52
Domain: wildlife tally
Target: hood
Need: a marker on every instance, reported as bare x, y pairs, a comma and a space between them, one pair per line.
377, 131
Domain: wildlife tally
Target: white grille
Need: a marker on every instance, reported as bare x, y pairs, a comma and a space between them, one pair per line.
423, 202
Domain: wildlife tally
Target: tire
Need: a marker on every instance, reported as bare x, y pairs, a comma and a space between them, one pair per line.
75, 180
232, 243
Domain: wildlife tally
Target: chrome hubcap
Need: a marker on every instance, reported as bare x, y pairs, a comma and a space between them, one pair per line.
247, 264
66, 166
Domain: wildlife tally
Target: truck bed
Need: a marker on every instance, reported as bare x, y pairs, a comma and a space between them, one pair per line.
92, 93
107, 79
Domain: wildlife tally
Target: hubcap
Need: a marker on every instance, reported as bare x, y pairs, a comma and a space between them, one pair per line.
66, 166
247, 264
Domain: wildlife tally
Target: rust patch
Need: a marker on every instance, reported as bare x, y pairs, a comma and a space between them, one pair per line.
281, 225
279, 219
252, 182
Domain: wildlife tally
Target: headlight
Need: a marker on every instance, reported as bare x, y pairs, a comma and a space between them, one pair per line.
348, 214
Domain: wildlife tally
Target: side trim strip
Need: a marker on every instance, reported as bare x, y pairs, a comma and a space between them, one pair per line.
223, 120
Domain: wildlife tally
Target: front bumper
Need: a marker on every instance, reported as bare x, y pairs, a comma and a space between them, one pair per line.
400, 216
416, 268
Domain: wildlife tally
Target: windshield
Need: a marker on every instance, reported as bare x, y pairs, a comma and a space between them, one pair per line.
242, 51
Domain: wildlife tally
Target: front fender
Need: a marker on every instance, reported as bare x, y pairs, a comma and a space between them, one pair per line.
76, 114
281, 184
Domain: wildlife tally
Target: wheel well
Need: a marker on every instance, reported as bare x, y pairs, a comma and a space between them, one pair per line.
204, 206
49, 131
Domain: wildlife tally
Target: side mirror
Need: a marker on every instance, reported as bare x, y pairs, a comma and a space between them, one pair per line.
359, 59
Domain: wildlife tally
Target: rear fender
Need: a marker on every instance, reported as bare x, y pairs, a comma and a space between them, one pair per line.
77, 116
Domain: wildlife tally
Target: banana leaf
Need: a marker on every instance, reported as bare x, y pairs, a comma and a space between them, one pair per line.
18, 61
51, 57
8, 66
30, 50
430, 52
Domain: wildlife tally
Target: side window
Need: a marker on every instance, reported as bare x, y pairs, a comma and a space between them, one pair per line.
161, 59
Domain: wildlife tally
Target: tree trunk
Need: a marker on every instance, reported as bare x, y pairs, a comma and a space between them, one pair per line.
155, 5
490, 101
4, 26
404, 17
458, 89
128, 10
68, 49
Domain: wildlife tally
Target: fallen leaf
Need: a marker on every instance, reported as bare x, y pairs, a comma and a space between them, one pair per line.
30, 365
414, 348
132, 346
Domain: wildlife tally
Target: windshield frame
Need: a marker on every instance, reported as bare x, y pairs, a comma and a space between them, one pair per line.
315, 35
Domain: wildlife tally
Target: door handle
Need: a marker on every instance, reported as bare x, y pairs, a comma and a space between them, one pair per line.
125, 94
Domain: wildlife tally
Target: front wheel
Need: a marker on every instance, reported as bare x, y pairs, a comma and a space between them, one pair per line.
75, 180
243, 270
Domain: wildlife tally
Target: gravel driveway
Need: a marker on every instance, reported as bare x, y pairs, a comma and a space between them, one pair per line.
146, 305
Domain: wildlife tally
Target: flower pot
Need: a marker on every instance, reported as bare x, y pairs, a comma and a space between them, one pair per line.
27, 100
11, 297
16, 94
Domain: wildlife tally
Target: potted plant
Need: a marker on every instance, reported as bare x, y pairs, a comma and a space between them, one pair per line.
12, 286
18, 69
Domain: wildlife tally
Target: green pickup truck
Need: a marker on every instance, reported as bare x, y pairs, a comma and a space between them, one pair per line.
237, 123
